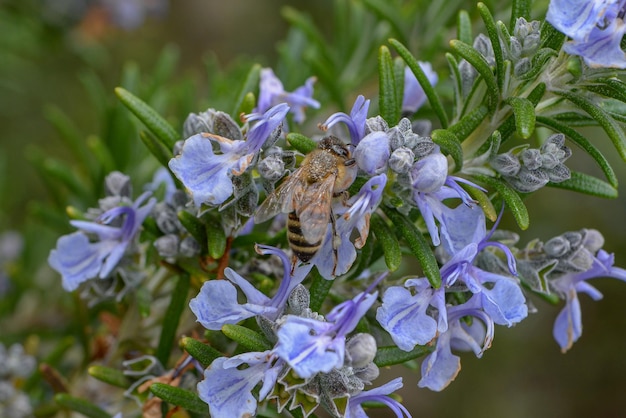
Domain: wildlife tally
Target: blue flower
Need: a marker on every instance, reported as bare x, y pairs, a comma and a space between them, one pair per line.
310, 346
414, 96
596, 28
440, 367
335, 256
501, 296
568, 325
355, 121
413, 319
431, 186
207, 175
217, 303
380, 395
227, 388
272, 92
78, 259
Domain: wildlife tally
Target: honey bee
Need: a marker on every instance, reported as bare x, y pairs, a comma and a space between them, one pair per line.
307, 194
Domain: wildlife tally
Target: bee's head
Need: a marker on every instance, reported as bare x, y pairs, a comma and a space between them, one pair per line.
334, 145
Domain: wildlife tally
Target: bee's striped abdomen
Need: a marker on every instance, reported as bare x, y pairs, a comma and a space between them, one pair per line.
303, 249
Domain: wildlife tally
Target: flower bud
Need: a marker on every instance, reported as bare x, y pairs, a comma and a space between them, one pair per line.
592, 240
396, 138
167, 245
422, 146
225, 126
299, 300
559, 173
429, 173
189, 247
197, 123
361, 350
531, 158
557, 247
506, 164
166, 218
372, 153
376, 124
272, 167
528, 180
401, 160
118, 184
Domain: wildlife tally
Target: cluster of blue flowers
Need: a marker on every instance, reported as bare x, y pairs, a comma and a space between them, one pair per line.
315, 359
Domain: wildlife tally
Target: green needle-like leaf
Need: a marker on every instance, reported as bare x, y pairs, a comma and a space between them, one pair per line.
450, 145
386, 11
389, 356
81, 406
417, 244
319, 290
204, 353
180, 397
464, 28
301, 143
153, 121
388, 241
520, 8
463, 128
387, 96
109, 375
430, 92
475, 58
550, 37
610, 87
195, 227
250, 85
584, 183
177, 305
524, 112
492, 32
156, 148
249, 339
610, 126
510, 197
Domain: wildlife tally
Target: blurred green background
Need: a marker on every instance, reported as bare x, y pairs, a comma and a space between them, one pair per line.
49, 48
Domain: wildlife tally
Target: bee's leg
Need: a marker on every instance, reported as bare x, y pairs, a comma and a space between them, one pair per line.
336, 240
294, 261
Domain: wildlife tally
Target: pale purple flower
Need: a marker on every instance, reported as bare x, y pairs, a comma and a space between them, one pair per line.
130, 14
414, 96
431, 186
501, 296
272, 93
380, 395
568, 325
372, 153
207, 175
227, 388
217, 303
355, 122
335, 256
79, 259
596, 28
440, 367
413, 318
310, 346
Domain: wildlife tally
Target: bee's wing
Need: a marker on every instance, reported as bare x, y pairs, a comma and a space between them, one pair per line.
281, 200
314, 210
